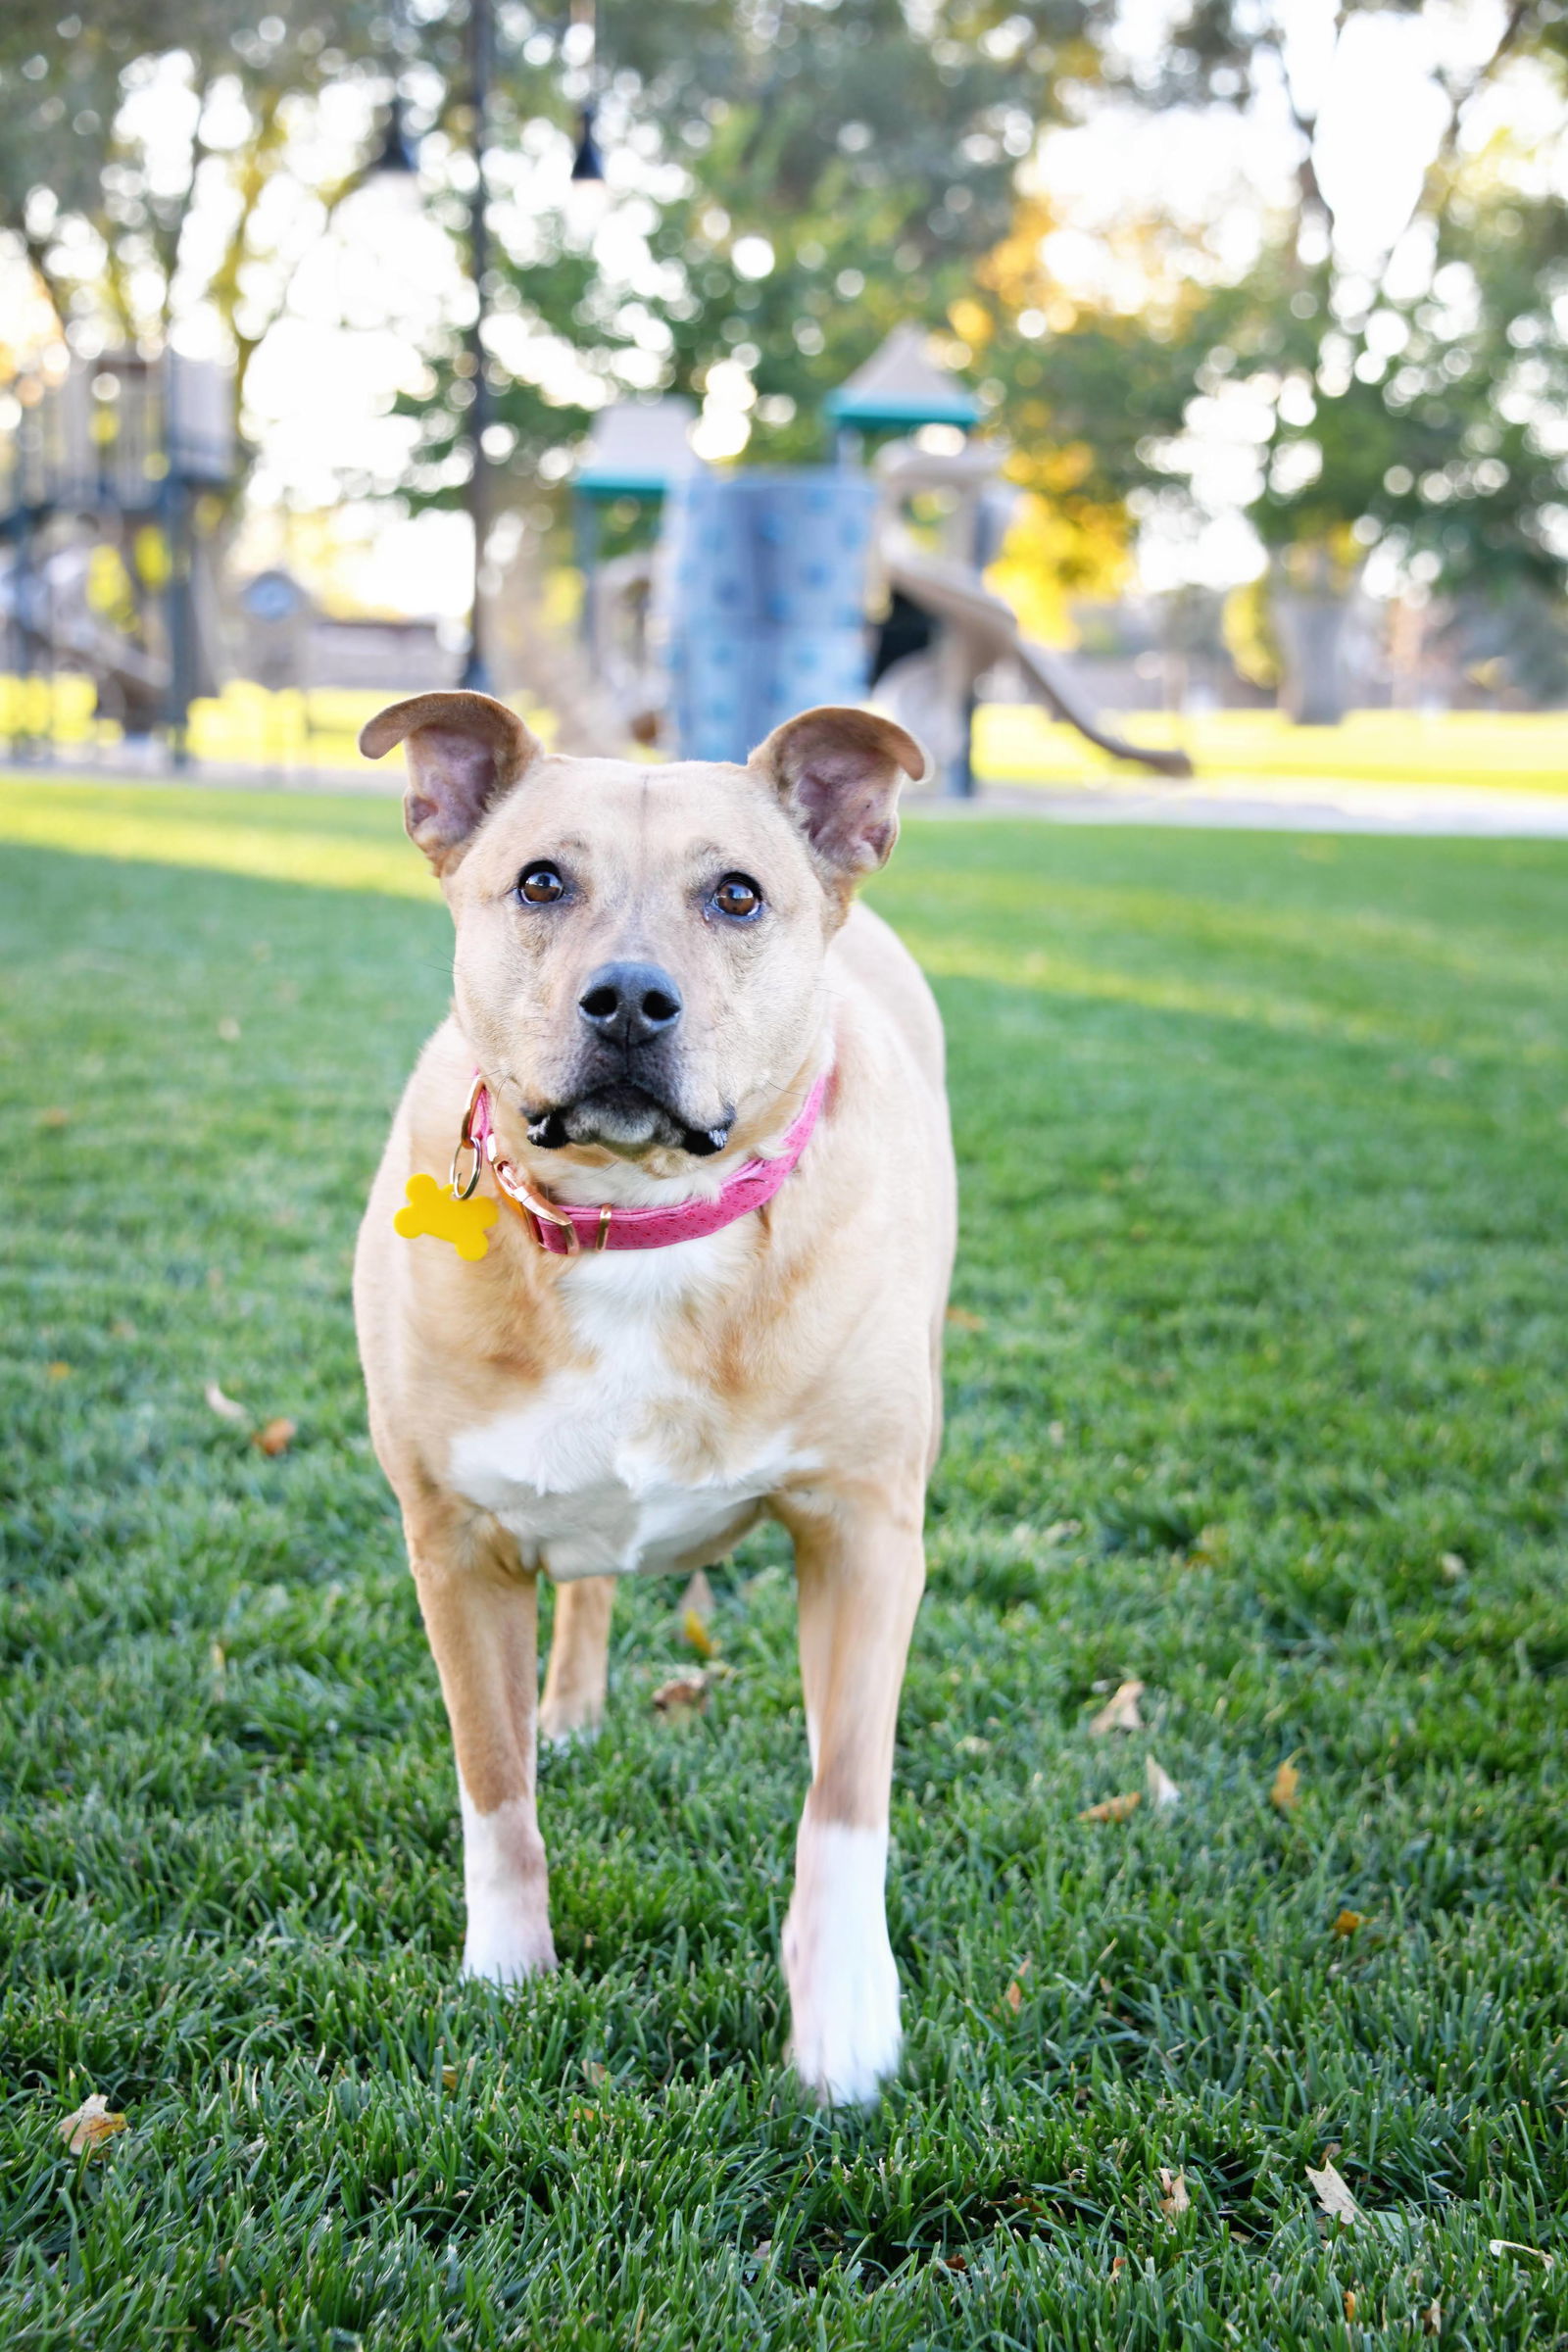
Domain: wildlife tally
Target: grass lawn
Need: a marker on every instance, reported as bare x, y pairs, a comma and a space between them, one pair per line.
1513, 751
1257, 1392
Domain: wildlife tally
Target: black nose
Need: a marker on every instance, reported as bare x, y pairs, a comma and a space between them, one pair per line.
630, 1003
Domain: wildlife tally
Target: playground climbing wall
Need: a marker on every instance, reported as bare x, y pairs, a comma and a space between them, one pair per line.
762, 601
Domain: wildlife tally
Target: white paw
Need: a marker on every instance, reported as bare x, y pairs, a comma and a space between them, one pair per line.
507, 1894
496, 1956
569, 1729
844, 1985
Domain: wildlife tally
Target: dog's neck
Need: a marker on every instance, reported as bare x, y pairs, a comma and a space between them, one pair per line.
588, 1175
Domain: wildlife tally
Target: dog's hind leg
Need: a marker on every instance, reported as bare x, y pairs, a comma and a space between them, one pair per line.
575, 1679
859, 1568
480, 1613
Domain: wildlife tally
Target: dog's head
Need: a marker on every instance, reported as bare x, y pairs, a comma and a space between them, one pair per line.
640, 951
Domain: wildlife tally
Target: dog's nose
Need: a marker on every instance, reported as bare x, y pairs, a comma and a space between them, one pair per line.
630, 1003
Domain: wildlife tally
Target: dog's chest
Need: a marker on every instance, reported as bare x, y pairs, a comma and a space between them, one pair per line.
625, 1464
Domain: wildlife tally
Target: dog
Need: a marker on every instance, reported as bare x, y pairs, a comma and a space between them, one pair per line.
690, 1267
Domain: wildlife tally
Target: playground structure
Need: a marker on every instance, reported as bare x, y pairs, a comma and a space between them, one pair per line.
102, 569
757, 592
768, 591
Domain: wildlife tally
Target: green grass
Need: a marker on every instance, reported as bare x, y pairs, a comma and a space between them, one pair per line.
1262, 1273
1510, 751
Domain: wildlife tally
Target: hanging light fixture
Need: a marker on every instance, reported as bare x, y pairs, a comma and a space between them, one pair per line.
587, 163
398, 152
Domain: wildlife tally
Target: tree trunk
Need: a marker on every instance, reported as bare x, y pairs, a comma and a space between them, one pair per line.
1310, 626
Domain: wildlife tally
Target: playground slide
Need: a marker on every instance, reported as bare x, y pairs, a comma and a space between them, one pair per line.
48, 601
986, 630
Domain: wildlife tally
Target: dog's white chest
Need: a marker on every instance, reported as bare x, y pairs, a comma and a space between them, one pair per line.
602, 1473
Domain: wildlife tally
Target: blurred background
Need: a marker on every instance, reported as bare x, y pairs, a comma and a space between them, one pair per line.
1086, 381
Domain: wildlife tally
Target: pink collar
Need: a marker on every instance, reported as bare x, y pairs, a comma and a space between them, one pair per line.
563, 1228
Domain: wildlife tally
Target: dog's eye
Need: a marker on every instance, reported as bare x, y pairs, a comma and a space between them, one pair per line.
541, 885
738, 896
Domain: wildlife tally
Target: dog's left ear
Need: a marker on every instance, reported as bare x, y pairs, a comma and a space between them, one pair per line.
837, 773
465, 751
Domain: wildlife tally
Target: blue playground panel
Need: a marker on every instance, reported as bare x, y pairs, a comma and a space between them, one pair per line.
764, 602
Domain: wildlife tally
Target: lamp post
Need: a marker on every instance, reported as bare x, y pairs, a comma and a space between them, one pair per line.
396, 156
482, 52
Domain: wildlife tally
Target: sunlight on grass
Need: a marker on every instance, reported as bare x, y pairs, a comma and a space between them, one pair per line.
1017, 743
1068, 976
327, 843
245, 725
1040, 932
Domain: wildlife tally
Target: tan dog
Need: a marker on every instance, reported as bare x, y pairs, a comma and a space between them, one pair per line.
655, 968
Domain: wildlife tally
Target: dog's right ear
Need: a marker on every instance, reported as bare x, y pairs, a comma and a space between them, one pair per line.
465, 751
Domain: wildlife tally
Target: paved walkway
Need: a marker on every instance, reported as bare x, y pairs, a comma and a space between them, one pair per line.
1292, 805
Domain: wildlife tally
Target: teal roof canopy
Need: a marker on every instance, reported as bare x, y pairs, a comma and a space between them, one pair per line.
637, 449
901, 386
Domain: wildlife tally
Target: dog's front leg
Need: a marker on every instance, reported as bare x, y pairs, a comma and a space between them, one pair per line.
480, 1613
859, 1569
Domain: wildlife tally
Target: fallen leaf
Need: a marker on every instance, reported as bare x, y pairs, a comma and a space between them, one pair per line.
223, 1406
56, 1370
55, 1115
696, 1633
963, 1320
1333, 2195
697, 1616
1349, 2302
698, 1599
1014, 1997
229, 1030
276, 1438
1511, 2245
449, 2077
1452, 1564
1432, 2318
1348, 1922
1113, 1808
1119, 2266
1163, 1789
1174, 2198
91, 2126
683, 1693
1286, 1788
1121, 1712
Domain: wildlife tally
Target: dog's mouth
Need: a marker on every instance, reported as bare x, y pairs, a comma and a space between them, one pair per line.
624, 1118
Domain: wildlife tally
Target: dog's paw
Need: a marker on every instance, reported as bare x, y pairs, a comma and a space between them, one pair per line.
572, 1726
843, 1980
493, 1954
506, 1895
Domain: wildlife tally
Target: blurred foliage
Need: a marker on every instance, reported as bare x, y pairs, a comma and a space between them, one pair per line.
874, 157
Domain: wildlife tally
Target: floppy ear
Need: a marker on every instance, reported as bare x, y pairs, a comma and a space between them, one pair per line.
837, 773
465, 751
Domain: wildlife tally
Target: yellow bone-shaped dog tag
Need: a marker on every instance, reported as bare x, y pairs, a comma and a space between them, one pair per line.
435, 1209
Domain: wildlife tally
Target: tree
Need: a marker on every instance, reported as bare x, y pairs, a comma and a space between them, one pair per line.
1409, 401
136, 217
813, 179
